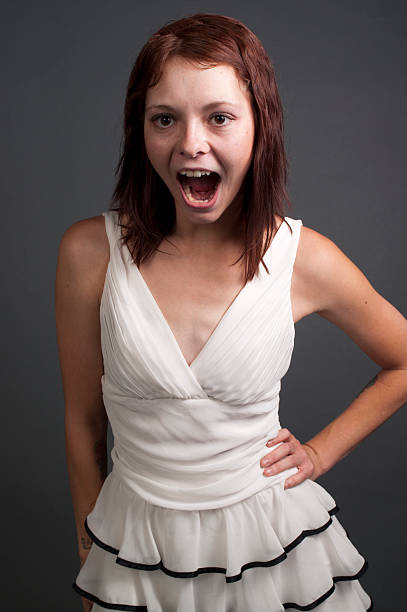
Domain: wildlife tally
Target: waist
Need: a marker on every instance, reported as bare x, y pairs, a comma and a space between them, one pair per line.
197, 491
193, 454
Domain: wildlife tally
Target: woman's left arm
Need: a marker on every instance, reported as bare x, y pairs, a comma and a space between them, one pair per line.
331, 285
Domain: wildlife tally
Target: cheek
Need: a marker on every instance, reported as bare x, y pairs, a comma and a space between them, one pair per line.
155, 148
241, 153
243, 141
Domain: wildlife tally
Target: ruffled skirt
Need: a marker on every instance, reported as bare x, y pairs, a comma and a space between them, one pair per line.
281, 549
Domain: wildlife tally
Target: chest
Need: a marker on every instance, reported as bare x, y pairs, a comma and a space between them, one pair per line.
193, 296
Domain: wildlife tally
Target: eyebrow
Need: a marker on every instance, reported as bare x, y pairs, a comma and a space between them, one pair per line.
206, 107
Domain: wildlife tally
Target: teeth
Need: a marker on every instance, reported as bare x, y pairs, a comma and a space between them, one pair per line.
190, 197
195, 173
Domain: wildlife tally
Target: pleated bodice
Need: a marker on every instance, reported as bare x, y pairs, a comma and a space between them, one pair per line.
191, 436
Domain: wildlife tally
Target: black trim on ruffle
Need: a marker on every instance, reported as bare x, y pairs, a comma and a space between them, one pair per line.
287, 606
104, 604
329, 592
205, 570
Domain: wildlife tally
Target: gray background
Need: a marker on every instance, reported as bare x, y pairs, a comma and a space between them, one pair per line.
341, 72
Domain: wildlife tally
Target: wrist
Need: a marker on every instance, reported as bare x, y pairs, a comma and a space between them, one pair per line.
316, 460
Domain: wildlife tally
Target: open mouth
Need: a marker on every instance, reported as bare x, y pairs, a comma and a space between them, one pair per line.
199, 189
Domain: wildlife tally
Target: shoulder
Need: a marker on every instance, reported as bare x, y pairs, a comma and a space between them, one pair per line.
316, 254
84, 253
86, 237
325, 277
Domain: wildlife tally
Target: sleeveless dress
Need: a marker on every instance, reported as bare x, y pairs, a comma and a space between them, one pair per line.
186, 521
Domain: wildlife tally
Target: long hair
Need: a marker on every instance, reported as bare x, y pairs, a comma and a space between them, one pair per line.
140, 193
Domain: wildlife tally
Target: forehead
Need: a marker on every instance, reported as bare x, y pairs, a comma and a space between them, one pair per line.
181, 80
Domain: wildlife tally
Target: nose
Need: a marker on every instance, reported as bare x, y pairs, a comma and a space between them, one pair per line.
193, 140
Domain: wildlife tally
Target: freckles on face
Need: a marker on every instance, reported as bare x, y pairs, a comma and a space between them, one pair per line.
202, 119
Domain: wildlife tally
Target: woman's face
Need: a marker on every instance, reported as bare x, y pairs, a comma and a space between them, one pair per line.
199, 119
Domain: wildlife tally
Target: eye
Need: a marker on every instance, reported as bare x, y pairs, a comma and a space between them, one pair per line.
221, 117
164, 119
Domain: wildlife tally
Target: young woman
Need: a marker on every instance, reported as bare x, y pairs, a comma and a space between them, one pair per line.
175, 319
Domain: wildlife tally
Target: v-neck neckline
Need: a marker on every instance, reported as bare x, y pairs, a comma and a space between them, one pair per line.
169, 329
226, 313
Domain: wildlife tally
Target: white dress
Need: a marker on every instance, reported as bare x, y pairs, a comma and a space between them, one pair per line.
186, 521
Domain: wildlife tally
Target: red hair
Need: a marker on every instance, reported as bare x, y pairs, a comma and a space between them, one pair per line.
142, 196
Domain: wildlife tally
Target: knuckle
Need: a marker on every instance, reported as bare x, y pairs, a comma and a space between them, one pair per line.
294, 451
286, 463
278, 452
285, 450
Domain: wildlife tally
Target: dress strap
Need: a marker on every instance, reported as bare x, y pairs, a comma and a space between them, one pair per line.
283, 249
295, 225
112, 229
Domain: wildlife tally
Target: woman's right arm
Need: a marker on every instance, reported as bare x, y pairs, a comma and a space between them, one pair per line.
82, 262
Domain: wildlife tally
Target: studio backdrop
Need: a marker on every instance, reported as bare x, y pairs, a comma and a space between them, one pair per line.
340, 68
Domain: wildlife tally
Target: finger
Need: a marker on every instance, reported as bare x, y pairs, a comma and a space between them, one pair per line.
282, 435
291, 446
295, 480
281, 451
284, 464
